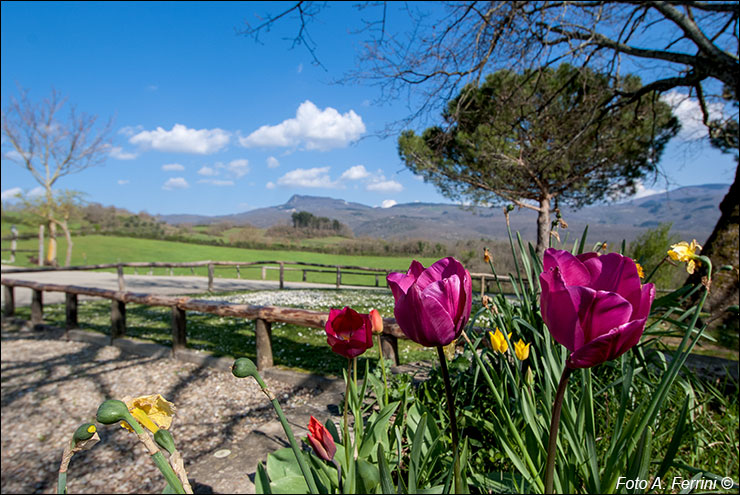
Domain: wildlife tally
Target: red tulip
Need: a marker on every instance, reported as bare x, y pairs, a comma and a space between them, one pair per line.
594, 305
348, 332
321, 440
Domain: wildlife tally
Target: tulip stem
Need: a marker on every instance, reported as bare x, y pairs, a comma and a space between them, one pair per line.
382, 367
347, 443
554, 425
453, 420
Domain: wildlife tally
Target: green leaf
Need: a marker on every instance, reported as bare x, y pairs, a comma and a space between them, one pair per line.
261, 480
386, 481
167, 489
375, 431
672, 449
282, 463
289, 484
415, 453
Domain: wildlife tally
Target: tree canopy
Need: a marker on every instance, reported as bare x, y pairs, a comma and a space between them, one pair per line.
540, 138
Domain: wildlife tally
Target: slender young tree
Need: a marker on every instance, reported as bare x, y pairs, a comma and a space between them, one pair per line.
51, 146
539, 138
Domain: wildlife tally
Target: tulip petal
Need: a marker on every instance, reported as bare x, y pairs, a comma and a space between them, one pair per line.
646, 301
559, 311
437, 321
608, 346
571, 268
615, 273
605, 311
407, 312
439, 270
400, 282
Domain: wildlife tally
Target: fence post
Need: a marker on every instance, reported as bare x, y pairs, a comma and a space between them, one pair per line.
37, 307
151, 270
210, 277
121, 283
389, 344
171, 272
263, 333
304, 275
339, 277
264, 272
13, 243
41, 245
377, 284
179, 332
70, 310
238, 272
282, 275
117, 319
9, 308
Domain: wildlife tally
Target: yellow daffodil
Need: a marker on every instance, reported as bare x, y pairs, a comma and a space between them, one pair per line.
498, 341
686, 253
486, 255
521, 350
640, 271
152, 411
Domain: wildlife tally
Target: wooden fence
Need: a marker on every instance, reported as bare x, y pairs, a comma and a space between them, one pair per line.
263, 316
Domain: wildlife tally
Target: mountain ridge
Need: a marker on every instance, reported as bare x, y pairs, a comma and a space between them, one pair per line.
694, 210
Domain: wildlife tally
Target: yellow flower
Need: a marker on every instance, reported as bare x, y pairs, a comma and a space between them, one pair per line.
686, 253
498, 342
521, 350
486, 255
152, 411
640, 271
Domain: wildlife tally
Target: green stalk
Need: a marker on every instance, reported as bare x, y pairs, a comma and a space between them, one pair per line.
158, 458
382, 367
307, 475
62, 483
347, 443
552, 446
453, 420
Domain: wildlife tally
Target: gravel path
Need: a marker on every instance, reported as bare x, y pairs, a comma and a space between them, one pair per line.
50, 386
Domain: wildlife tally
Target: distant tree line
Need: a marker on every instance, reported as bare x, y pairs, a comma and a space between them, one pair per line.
307, 220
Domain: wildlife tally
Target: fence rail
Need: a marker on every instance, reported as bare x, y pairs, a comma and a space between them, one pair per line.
263, 316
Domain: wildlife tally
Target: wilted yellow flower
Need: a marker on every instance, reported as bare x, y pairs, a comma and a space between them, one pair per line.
450, 350
486, 255
640, 271
152, 411
685, 252
521, 350
498, 341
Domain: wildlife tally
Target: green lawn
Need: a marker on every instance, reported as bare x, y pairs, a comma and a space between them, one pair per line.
98, 249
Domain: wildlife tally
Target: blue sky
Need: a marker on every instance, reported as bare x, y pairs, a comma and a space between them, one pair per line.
210, 122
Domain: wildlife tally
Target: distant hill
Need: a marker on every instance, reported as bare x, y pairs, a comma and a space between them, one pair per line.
693, 210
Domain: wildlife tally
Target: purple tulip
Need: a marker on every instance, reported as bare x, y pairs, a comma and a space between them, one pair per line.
593, 305
433, 304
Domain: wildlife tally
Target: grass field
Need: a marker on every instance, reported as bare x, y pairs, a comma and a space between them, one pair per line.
97, 249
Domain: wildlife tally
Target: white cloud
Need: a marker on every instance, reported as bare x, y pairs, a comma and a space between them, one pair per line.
175, 183
383, 185
207, 171
130, 131
312, 128
355, 173
216, 182
307, 177
239, 168
272, 162
270, 185
123, 182
388, 203
183, 140
688, 112
13, 155
118, 153
642, 191
11, 193
36, 192
173, 167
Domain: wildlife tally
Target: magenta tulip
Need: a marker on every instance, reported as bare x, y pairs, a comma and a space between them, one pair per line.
321, 440
593, 305
348, 332
433, 304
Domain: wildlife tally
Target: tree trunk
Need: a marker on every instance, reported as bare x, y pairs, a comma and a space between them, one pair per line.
68, 236
51, 254
543, 226
722, 248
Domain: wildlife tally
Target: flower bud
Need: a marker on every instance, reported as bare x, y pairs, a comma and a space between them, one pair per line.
376, 321
84, 432
164, 439
244, 367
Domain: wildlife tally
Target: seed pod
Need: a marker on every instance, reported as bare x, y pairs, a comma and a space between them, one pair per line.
84, 432
164, 439
112, 411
